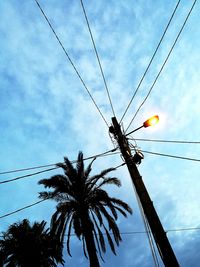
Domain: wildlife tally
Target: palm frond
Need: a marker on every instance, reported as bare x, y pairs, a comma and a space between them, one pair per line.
68, 238
77, 225
59, 225
101, 238
112, 225
22, 237
69, 169
80, 165
122, 204
77, 193
104, 172
98, 246
53, 220
84, 249
47, 195
64, 228
98, 195
108, 181
100, 175
121, 211
89, 168
54, 181
98, 214
112, 209
67, 206
110, 241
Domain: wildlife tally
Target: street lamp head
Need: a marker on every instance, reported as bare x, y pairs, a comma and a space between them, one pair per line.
151, 121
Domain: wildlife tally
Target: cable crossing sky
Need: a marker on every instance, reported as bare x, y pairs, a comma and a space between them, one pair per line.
97, 56
92, 157
163, 65
150, 62
71, 62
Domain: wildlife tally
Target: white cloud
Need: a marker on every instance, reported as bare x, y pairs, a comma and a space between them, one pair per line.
47, 113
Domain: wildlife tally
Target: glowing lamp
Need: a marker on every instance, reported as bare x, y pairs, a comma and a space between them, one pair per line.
151, 121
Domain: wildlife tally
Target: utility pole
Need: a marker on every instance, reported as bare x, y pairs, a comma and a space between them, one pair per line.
165, 250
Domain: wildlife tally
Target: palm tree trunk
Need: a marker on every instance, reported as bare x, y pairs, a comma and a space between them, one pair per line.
89, 240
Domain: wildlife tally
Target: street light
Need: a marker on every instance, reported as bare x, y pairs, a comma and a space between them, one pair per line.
150, 122
161, 240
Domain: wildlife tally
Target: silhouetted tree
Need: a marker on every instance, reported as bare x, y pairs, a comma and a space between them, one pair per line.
2, 257
84, 206
24, 245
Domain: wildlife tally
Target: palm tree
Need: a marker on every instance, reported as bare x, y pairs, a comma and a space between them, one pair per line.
84, 206
24, 245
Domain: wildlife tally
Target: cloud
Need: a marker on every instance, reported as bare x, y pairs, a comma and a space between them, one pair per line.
46, 112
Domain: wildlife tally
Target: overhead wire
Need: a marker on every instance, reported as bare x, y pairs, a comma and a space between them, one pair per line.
123, 233
26, 207
170, 156
165, 141
36, 173
71, 62
167, 231
27, 175
151, 60
163, 65
183, 229
147, 229
152, 244
27, 169
108, 152
91, 157
97, 56
144, 232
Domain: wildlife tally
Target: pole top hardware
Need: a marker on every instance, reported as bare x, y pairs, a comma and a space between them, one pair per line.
137, 158
111, 130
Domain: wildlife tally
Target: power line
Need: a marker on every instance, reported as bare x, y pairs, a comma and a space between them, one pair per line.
36, 173
106, 153
26, 207
170, 156
123, 233
71, 62
147, 230
183, 229
97, 56
27, 175
164, 63
165, 141
92, 157
144, 232
162, 37
167, 231
27, 169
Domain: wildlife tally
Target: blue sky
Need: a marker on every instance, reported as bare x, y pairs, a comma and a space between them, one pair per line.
46, 113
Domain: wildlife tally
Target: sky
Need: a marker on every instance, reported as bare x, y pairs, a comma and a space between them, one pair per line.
47, 114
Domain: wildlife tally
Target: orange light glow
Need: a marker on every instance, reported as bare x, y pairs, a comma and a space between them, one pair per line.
151, 121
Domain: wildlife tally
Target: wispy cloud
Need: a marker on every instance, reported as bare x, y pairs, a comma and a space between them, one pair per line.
46, 112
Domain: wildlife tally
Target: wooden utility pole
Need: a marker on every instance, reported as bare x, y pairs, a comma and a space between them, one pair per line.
165, 250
